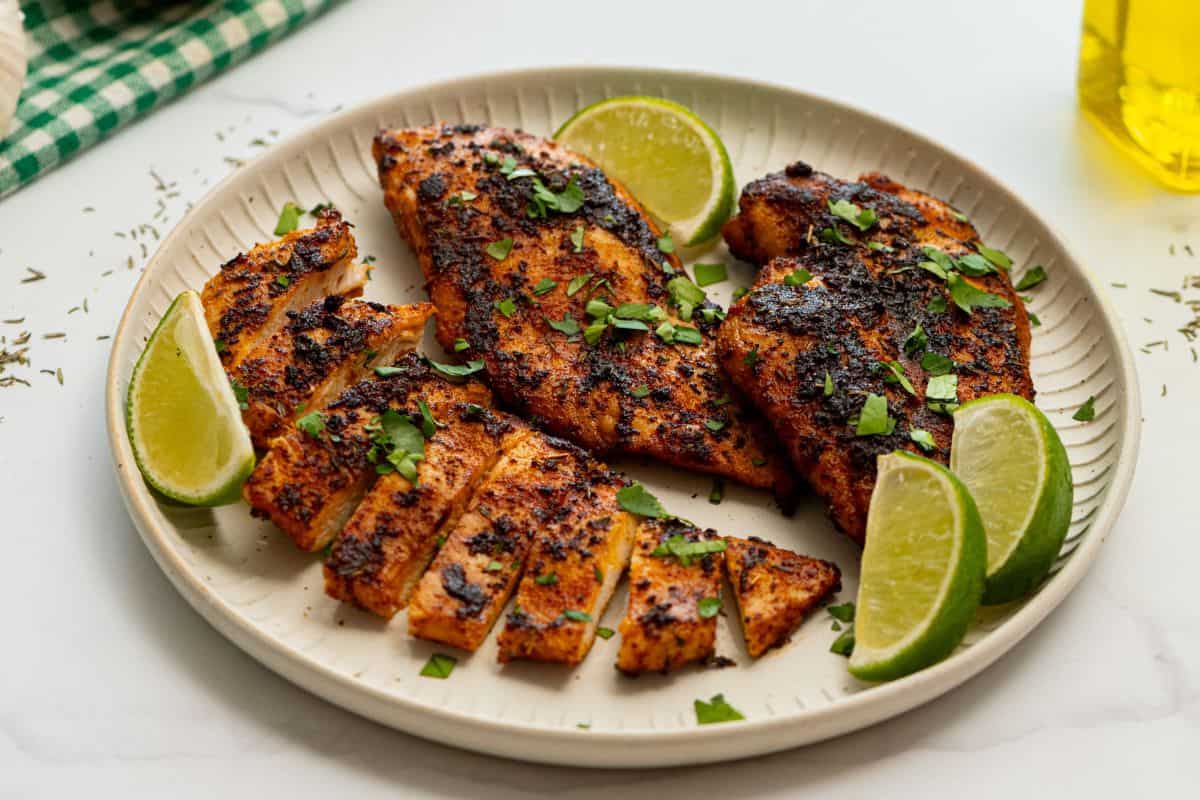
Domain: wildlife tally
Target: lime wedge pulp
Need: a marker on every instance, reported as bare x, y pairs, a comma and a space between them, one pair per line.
922, 569
674, 164
1016, 468
181, 413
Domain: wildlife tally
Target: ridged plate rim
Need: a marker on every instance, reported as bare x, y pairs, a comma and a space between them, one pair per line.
639, 748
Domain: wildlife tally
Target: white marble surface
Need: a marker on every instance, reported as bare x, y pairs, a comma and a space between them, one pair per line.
111, 685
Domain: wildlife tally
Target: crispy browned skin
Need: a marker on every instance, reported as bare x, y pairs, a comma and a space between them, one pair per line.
392, 536
775, 589
579, 391
663, 629
530, 487
319, 352
309, 485
573, 568
779, 341
249, 299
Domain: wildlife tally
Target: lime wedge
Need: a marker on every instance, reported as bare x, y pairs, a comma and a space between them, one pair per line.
182, 416
922, 569
674, 164
1010, 457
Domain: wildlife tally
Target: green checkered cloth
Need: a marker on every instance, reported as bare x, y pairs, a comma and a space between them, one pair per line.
94, 67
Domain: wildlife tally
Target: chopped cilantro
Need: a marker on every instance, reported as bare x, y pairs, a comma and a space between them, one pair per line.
666, 243
874, 419
861, 218
936, 363
715, 710
457, 370
500, 250
221, 345
1032, 277
717, 493
942, 393
686, 335
843, 645
567, 325
577, 616
1034, 321
429, 423
387, 372
460, 345
593, 332
1087, 411
507, 306
493, 566
916, 342
938, 262
635, 499
923, 438
967, 297
751, 358
843, 612
708, 274
640, 391
937, 305
828, 390
634, 311
546, 579
629, 324
605, 633
797, 278
543, 286
974, 265
666, 332
832, 235
577, 238
714, 425
312, 423
283, 281
685, 550
491, 158
289, 218
508, 165
995, 256
577, 283
708, 607
368, 357
880, 246
597, 309
438, 666
240, 393
461, 198
740, 292
685, 295
895, 374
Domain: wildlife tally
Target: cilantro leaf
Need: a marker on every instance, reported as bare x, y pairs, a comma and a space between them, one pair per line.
995, 256
828, 389
843, 612
923, 438
860, 218
1087, 411
640, 391
686, 335
874, 419
543, 286
708, 607
843, 645
567, 325
967, 297
635, 499
577, 283
457, 370
507, 306
797, 278
1032, 277
546, 579
666, 243
936, 363
974, 265
937, 305
240, 393
577, 616
460, 345
715, 710
916, 342
605, 633
895, 374
833, 235
708, 274
312, 423
438, 666
387, 372
500, 250
289, 218
577, 239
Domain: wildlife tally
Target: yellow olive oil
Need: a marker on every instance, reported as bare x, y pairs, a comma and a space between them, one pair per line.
1139, 81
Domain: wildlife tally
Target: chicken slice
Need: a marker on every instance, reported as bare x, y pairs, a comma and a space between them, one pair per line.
775, 589
317, 354
664, 626
311, 480
531, 486
392, 536
573, 569
516, 236
248, 300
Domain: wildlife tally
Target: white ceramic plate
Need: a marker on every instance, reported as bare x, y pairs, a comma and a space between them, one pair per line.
252, 584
